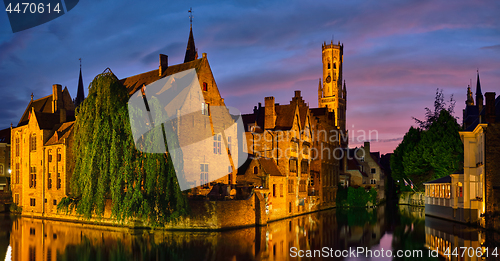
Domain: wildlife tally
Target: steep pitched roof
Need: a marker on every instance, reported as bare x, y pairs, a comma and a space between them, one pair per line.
134, 83
61, 131
44, 105
191, 53
270, 167
47, 121
80, 95
284, 116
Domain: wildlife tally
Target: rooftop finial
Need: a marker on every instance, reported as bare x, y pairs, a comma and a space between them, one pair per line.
80, 63
31, 96
190, 11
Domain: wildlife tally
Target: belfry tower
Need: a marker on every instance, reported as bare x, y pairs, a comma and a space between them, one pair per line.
331, 93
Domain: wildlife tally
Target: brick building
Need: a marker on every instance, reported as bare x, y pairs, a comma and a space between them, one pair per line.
281, 134
41, 154
206, 137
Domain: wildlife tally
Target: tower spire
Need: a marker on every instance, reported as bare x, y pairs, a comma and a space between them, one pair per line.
80, 95
479, 94
191, 52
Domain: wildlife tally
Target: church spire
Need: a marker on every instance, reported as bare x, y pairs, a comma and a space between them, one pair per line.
470, 100
479, 94
80, 95
191, 52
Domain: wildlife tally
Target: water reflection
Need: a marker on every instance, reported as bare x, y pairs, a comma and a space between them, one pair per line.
386, 227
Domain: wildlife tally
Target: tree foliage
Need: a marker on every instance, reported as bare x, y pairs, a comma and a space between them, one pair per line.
109, 170
439, 105
432, 151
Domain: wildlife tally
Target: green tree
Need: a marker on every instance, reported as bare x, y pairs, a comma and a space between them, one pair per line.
109, 168
433, 151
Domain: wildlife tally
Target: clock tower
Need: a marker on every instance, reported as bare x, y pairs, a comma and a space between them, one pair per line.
331, 93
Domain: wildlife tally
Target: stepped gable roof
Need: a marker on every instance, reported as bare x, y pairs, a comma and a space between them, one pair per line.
61, 131
44, 105
5, 136
446, 179
269, 166
134, 83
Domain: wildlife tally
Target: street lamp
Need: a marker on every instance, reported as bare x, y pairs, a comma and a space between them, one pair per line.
9, 171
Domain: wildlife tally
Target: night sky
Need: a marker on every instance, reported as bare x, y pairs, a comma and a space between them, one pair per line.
396, 54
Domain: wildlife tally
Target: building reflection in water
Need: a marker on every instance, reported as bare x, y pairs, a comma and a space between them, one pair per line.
388, 227
441, 235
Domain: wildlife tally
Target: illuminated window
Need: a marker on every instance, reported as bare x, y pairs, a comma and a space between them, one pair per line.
291, 188
17, 146
58, 180
205, 108
32, 177
459, 190
293, 165
49, 183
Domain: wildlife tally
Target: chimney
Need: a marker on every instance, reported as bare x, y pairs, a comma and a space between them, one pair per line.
56, 97
163, 63
367, 147
270, 113
297, 94
62, 115
490, 107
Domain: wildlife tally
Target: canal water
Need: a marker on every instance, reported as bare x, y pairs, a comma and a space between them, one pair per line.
358, 234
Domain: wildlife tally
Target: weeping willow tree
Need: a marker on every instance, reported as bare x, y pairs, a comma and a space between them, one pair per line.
109, 168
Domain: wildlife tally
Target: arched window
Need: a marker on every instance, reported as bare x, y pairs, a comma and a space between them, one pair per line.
329, 65
255, 170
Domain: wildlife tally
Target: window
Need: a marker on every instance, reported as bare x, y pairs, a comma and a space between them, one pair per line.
58, 155
17, 173
290, 211
304, 167
16, 199
32, 177
373, 171
54, 202
255, 170
32, 202
32, 231
17, 147
373, 181
311, 182
217, 144
33, 142
205, 108
205, 87
58, 181
329, 66
334, 65
281, 190
290, 186
302, 186
229, 144
50, 156
293, 165
49, 182
459, 190
204, 175
274, 190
